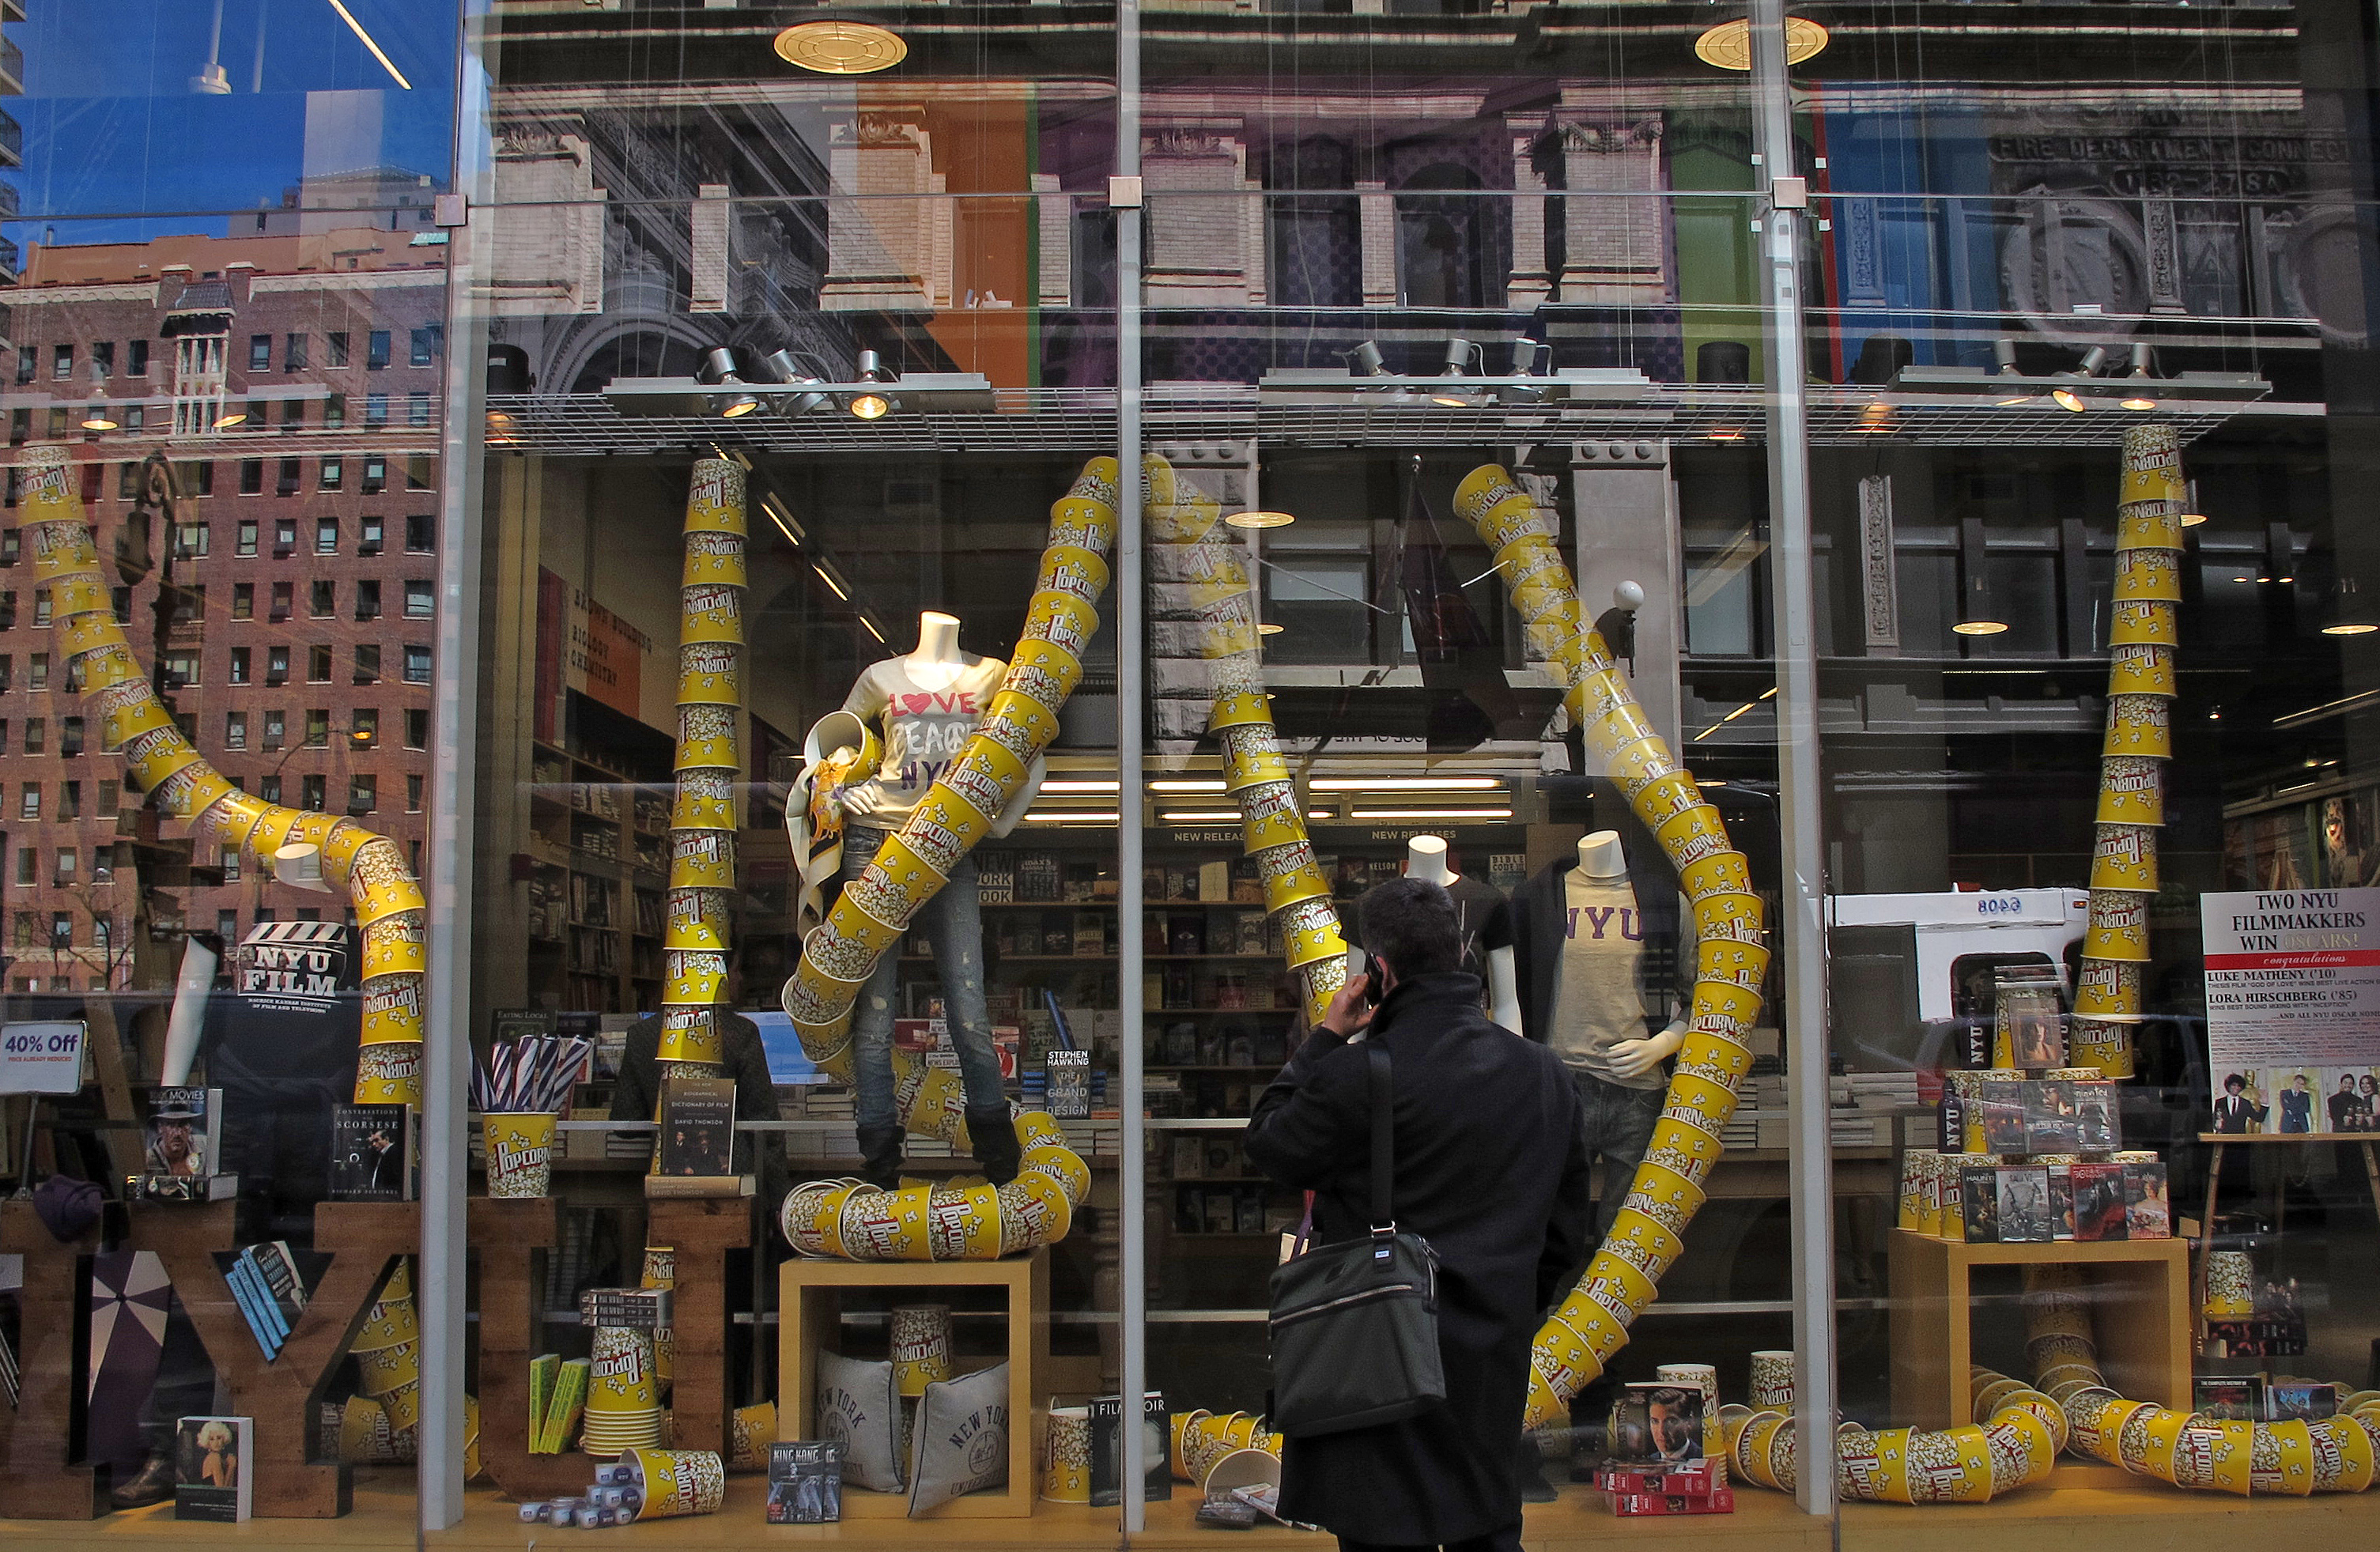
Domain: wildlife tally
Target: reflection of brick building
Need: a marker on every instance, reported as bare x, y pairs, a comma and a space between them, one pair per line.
294, 382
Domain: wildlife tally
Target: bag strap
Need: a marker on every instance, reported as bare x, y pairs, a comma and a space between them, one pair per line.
1383, 1138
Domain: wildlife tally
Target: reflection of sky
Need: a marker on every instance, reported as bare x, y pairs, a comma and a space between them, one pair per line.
111, 128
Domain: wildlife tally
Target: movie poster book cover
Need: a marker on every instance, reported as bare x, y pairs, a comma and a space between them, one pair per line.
372, 1153
698, 1124
214, 1471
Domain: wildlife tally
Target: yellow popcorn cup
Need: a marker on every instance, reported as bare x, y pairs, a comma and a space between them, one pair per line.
1282, 890
1038, 1128
2153, 523
1028, 1219
194, 789
706, 737
2119, 927
713, 558
1712, 1055
1514, 520
155, 755
1066, 1456
391, 1322
2141, 668
965, 1224
1051, 662
1562, 1354
1603, 1334
1717, 873
921, 1347
1624, 726
1071, 569
393, 1009
389, 1073
1668, 1194
1026, 718
2136, 621
1078, 520
1699, 1102
811, 1216
695, 918
1603, 693
1608, 1277
2148, 575
1681, 1135
1582, 654
1729, 998
702, 859
1269, 816
1479, 490
2291, 1470
902, 879
846, 945
2131, 790
986, 778
750, 1430
72, 595
1060, 1164
1634, 1227
122, 723
520, 1153
677, 1482
714, 500
381, 1369
2140, 726
711, 673
887, 1225
1062, 620
108, 666
1241, 709
1247, 763
2107, 989
2125, 858
1734, 961
710, 612
2152, 465
1665, 797
2149, 1451
1545, 1409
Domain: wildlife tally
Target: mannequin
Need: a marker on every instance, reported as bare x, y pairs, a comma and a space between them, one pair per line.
1426, 857
1601, 858
926, 704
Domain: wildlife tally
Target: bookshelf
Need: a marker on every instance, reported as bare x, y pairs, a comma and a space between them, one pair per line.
597, 869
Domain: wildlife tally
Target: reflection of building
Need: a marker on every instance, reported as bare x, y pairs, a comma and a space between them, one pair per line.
296, 643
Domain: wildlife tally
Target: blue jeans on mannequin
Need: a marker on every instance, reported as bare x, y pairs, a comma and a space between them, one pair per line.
952, 921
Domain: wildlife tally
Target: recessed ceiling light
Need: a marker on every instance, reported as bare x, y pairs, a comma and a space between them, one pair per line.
226, 422
2350, 627
870, 407
1269, 629
1405, 783
1260, 519
1980, 628
2066, 398
1186, 784
1729, 45
1431, 813
840, 48
2138, 403
1200, 816
98, 422
1064, 784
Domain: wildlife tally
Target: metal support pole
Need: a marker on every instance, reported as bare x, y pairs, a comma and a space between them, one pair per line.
447, 859
1801, 924
1132, 1293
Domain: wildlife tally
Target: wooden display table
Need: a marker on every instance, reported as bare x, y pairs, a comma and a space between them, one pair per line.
809, 1315
2140, 1311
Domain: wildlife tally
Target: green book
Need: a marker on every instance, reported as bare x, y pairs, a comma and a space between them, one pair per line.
561, 1413
541, 1373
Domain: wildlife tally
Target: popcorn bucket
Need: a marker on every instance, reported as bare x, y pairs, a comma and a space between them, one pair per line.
1543, 1408
389, 1073
381, 1369
811, 1216
1719, 872
1247, 761
1660, 1192
1623, 724
2107, 988
2125, 858
1071, 569
1062, 1165
2131, 790
1066, 1455
2141, 620
713, 558
1733, 961
1479, 491
1062, 620
1752, 1445
1563, 1357
1714, 1057
107, 666
1607, 1274
705, 800
621, 1378
520, 1153
1640, 764
1602, 1332
1250, 1466
1730, 998
677, 1482
1695, 1147
1582, 654
710, 612
921, 1346
1512, 520
2151, 524
155, 755
2148, 575
963, 1223
691, 1033
1666, 797
714, 500
706, 737
1772, 1379
750, 1430
123, 722
1633, 1226
702, 859
2152, 465
2119, 927
1080, 520
1729, 916
692, 975
1310, 931
1699, 1102
898, 880
887, 1225
197, 787
2139, 725
2231, 1285
2142, 667
396, 944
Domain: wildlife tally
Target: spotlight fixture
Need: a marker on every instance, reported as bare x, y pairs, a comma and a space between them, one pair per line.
1269, 629
2350, 627
1877, 419
869, 406
1528, 355
2191, 515
719, 370
2004, 358
840, 48
1459, 354
1367, 361
1727, 47
97, 421
1260, 519
2143, 367
2066, 398
1980, 628
229, 419
785, 369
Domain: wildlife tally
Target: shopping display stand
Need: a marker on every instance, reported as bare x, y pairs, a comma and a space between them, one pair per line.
701, 1231
809, 1315
2217, 1141
2142, 1315
37, 1482
506, 1234
361, 1238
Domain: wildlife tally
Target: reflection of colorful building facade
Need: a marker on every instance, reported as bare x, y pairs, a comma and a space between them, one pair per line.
297, 645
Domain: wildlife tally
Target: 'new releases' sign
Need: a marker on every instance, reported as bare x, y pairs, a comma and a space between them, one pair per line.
2293, 980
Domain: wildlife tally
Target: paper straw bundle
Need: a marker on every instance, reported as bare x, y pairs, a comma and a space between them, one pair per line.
387, 900
709, 764
1732, 960
875, 908
2142, 640
1200, 585
534, 1074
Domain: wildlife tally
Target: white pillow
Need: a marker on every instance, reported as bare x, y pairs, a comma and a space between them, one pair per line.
962, 1438
858, 1409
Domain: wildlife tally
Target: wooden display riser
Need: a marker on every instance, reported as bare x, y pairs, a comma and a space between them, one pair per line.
2080, 1509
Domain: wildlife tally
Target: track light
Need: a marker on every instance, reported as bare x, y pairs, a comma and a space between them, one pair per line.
719, 370
229, 419
1459, 354
1367, 361
782, 366
869, 406
1528, 355
2093, 363
2066, 398
2004, 358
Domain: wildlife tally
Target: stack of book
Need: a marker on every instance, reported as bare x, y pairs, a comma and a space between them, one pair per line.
265, 1280
557, 1398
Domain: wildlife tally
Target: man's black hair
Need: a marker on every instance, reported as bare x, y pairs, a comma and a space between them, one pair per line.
1411, 924
2234, 1080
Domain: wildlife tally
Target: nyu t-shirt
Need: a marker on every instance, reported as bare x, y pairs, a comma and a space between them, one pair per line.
1481, 913
925, 730
290, 1022
1600, 998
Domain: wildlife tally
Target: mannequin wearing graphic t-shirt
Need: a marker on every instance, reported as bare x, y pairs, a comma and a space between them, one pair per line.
1484, 916
928, 704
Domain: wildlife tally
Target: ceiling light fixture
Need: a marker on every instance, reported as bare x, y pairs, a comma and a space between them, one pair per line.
1459, 354
97, 421
719, 370
1727, 47
226, 421
2193, 514
869, 406
1980, 628
1066, 816
2137, 403
1070, 784
2350, 627
1269, 629
827, 578
1186, 784
1260, 519
1406, 783
840, 48
2066, 398
785, 369
377, 52
1200, 816
1431, 814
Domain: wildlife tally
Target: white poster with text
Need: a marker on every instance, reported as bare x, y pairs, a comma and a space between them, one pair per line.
2293, 1009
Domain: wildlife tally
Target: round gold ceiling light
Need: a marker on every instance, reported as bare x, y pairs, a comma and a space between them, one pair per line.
1729, 45
840, 48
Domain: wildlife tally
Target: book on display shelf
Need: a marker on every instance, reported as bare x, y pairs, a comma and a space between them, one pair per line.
372, 1153
1107, 1449
214, 1473
697, 1128
804, 1482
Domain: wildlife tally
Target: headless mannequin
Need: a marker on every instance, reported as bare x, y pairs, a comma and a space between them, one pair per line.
935, 664
1425, 858
1600, 858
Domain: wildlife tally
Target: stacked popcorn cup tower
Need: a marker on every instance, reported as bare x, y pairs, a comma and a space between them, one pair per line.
2143, 637
1198, 579
371, 867
1732, 958
624, 1409
849, 1220
702, 817
660, 1272
388, 1352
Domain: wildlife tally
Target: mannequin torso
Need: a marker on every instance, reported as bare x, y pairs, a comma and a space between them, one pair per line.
927, 702
1602, 907
1486, 926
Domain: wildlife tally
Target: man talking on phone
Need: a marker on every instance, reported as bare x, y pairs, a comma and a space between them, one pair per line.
1490, 1168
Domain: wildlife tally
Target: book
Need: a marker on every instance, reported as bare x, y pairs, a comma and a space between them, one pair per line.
214, 1477
2227, 1398
1107, 1449
2149, 1212
2002, 1101
2300, 1399
2050, 1123
2098, 1192
543, 1370
2061, 1202
248, 1291
1655, 1426
698, 1127
551, 1433
1979, 1203
180, 1130
276, 1269
372, 1153
1069, 1097
2023, 1204
804, 1482
2098, 1117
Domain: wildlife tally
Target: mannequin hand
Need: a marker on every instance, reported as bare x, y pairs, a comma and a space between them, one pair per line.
1009, 817
1636, 1059
1348, 1012
857, 800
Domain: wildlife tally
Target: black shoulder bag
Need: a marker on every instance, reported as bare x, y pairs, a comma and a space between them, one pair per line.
1354, 1325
